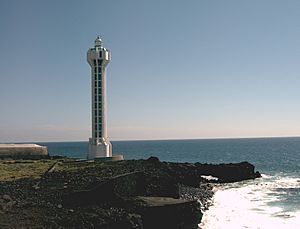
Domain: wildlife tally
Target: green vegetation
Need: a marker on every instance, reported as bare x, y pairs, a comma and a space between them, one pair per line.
13, 170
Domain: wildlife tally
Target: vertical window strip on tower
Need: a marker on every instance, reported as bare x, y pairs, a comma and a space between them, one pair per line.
100, 131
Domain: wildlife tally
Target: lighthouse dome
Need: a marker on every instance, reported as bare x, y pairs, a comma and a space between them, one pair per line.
98, 41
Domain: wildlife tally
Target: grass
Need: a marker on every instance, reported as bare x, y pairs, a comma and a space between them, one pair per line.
11, 170
14, 170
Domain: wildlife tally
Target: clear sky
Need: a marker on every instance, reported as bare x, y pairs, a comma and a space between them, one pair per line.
179, 69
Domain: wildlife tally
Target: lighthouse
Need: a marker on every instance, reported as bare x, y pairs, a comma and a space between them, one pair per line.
99, 145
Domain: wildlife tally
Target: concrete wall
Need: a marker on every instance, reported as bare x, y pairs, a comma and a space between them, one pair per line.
23, 151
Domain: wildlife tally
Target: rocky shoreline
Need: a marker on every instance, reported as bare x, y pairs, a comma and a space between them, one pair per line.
123, 194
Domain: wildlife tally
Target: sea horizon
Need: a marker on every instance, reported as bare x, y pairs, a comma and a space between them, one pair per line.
160, 139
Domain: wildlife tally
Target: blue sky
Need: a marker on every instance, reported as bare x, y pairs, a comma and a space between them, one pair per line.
179, 69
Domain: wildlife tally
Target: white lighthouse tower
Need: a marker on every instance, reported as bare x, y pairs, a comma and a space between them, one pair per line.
99, 145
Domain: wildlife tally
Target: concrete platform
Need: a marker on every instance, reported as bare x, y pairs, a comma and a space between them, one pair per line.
23, 151
112, 158
165, 212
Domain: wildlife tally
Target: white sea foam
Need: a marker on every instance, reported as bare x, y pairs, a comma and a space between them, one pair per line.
210, 178
254, 204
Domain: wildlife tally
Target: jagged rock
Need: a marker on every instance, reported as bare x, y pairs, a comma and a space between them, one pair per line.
111, 190
153, 160
190, 174
231, 172
6, 197
257, 174
6, 202
125, 185
108, 199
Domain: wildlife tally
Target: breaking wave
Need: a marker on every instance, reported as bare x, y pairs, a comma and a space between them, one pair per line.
268, 202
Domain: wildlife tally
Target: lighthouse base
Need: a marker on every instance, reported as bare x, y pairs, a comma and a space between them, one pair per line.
99, 149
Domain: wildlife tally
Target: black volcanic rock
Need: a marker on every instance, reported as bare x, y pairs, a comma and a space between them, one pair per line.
232, 172
190, 174
108, 194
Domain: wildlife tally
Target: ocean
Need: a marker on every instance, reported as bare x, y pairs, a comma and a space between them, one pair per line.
272, 201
